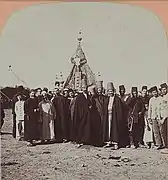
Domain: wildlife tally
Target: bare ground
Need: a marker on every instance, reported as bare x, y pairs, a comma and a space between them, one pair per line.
66, 162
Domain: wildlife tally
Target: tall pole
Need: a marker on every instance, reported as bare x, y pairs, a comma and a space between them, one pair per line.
18, 78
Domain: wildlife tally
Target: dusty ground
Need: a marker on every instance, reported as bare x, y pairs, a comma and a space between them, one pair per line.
66, 162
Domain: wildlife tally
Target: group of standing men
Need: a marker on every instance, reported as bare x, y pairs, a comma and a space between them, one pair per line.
93, 117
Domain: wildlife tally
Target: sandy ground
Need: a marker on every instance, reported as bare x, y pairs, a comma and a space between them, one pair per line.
66, 162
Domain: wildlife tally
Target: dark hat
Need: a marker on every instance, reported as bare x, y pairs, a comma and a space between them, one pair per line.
32, 90
154, 88
134, 89
121, 87
144, 87
70, 90
45, 89
110, 86
99, 84
164, 85
57, 83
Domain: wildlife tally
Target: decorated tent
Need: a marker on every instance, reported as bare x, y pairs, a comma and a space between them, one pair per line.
80, 71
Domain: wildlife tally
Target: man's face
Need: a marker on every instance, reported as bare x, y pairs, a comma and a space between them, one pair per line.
71, 94
154, 93
144, 92
66, 93
84, 88
134, 93
122, 91
56, 91
44, 94
38, 93
164, 91
110, 92
32, 94
99, 90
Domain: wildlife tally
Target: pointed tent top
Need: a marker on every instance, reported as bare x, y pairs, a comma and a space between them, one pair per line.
79, 51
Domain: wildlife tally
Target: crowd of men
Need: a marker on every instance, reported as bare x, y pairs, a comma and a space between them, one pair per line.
94, 116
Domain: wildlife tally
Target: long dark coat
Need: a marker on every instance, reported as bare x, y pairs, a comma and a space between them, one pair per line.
81, 127
119, 131
61, 123
31, 119
102, 108
95, 118
136, 120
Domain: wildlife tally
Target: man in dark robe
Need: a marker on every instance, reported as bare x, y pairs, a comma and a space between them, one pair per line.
102, 105
114, 128
14, 100
125, 98
95, 117
31, 119
145, 99
81, 123
38, 94
135, 116
61, 122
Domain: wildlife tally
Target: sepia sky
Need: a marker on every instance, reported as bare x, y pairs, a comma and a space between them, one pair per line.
127, 44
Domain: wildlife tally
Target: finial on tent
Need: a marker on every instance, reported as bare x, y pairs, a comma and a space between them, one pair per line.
9, 68
80, 36
56, 77
99, 74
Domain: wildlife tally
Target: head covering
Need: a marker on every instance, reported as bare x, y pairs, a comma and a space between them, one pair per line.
32, 90
110, 86
57, 83
99, 84
121, 87
154, 88
164, 85
45, 89
134, 89
43, 93
70, 90
144, 87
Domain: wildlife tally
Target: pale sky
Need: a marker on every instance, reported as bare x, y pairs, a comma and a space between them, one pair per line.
126, 43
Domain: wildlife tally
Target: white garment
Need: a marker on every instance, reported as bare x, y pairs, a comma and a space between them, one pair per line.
153, 111
21, 129
163, 106
148, 134
110, 106
19, 110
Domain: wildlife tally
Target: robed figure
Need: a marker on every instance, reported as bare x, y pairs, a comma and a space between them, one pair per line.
81, 128
47, 116
31, 110
95, 117
115, 126
61, 122
102, 106
135, 116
